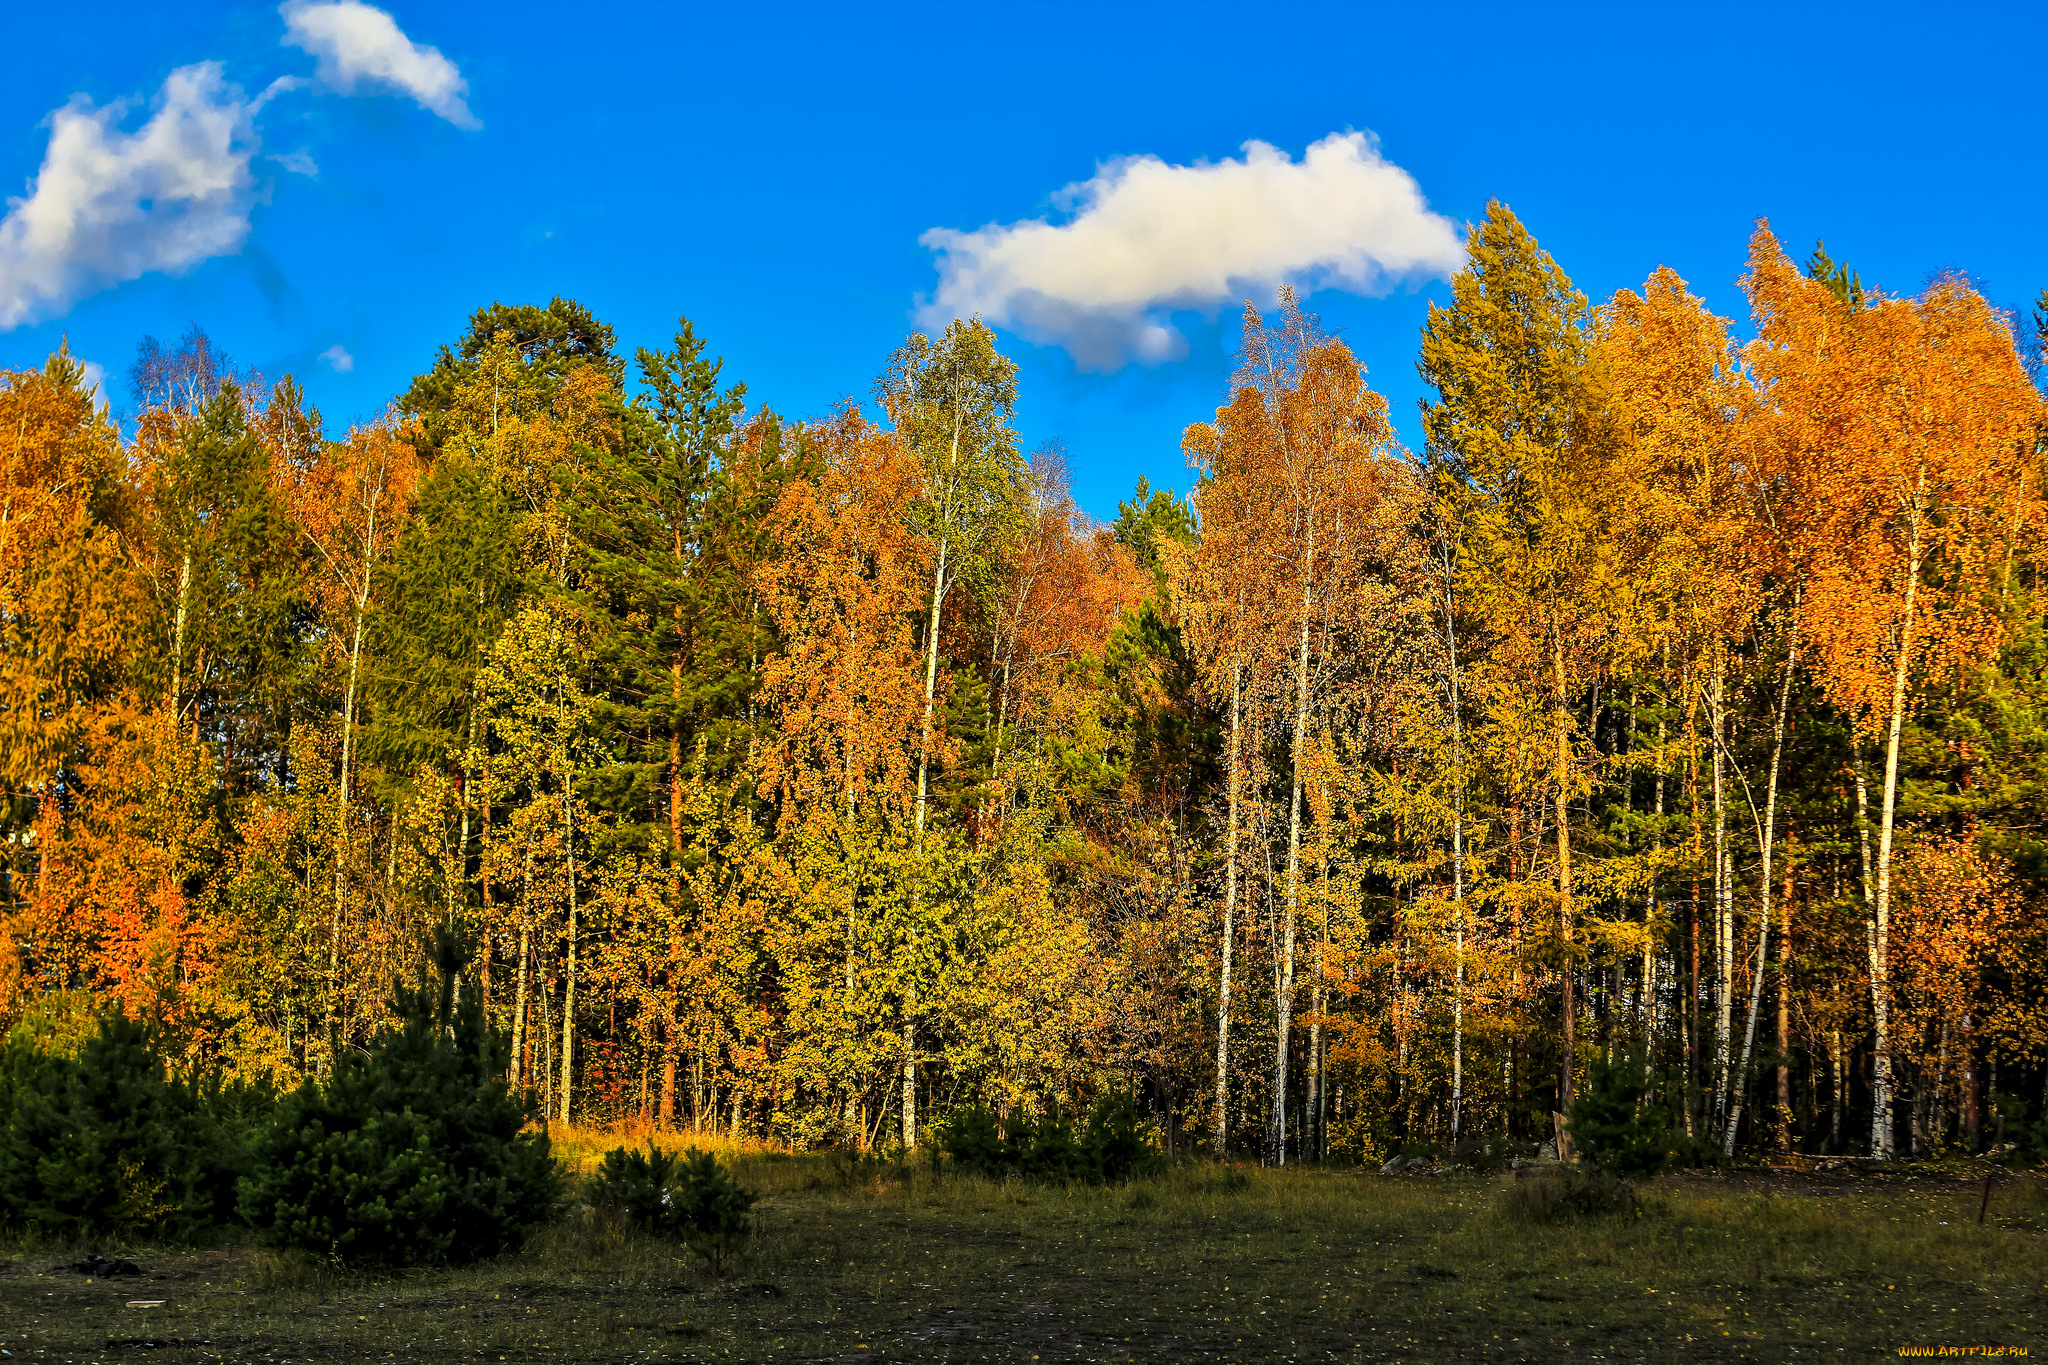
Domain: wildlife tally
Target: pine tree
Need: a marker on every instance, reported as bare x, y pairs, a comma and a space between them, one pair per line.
643, 516
411, 1152
549, 344
109, 1142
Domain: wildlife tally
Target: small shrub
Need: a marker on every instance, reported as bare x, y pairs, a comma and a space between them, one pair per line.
1487, 1154
690, 1199
410, 1153
1622, 1124
854, 1170
109, 1142
635, 1185
1569, 1192
2029, 1139
1231, 1180
1111, 1145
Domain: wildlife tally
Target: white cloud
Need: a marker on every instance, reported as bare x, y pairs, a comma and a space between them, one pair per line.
356, 43
298, 163
94, 381
338, 357
1146, 238
109, 206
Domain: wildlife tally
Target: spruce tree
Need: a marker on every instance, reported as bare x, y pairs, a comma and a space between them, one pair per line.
448, 588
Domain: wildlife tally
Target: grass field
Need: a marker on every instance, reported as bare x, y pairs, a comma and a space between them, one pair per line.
1204, 1263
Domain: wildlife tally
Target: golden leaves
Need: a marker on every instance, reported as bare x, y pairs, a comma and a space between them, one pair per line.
847, 686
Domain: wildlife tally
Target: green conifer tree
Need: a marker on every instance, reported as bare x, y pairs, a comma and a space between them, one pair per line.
411, 1152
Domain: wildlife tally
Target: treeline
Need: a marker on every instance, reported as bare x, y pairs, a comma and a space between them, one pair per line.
814, 779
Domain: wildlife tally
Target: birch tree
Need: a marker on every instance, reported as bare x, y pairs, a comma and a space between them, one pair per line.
1906, 428
1323, 547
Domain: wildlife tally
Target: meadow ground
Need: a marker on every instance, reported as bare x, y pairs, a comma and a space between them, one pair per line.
1204, 1263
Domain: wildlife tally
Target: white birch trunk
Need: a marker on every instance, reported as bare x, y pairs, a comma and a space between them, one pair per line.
1763, 938
1881, 1143
1229, 915
1285, 1001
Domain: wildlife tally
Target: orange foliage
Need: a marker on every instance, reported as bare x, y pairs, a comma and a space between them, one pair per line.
847, 687
1902, 433
1069, 585
1958, 906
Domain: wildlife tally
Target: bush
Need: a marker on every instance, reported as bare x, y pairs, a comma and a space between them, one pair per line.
692, 1199
1548, 1195
1622, 1125
109, 1142
1110, 1147
1489, 1153
410, 1153
2029, 1139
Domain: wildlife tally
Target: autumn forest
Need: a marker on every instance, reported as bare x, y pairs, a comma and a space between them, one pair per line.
808, 780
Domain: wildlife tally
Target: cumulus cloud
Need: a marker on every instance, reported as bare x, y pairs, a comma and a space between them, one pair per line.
1145, 238
338, 359
110, 206
356, 44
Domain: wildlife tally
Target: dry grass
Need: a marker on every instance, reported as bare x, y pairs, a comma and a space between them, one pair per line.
895, 1263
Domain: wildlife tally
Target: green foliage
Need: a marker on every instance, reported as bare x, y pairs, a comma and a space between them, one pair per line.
851, 1170
411, 1152
690, 1199
237, 606
1110, 1146
448, 588
108, 1142
1620, 1123
549, 342
2029, 1137
953, 400
1486, 1154
1842, 282
1150, 514
671, 526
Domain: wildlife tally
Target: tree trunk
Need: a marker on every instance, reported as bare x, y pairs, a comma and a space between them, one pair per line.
909, 1078
995, 765
1229, 914
519, 1072
1724, 927
1840, 1084
667, 1109
569, 978
1880, 930
1971, 1105
1285, 1000
1785, 1011
1561, 725
1457, 868
1763, 894
1312, 1109
931, 679
675, 734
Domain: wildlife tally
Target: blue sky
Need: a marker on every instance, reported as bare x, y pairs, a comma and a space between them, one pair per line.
770, 171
